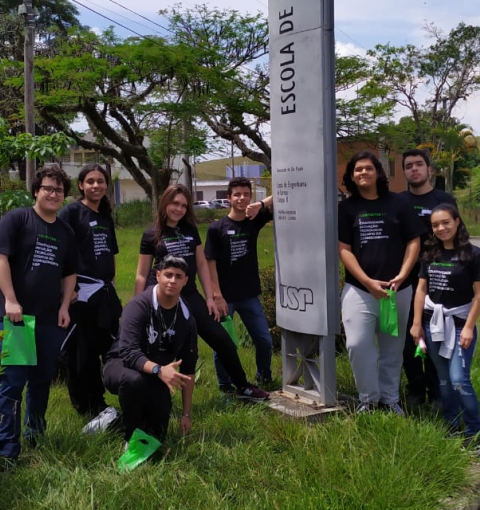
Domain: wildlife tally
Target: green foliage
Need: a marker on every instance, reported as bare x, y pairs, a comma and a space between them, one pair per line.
9, 184
12, 199
134, 213
267, 298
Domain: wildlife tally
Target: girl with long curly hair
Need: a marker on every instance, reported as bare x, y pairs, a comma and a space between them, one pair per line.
447, 306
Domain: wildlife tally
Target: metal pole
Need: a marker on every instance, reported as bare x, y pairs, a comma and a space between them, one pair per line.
29, 84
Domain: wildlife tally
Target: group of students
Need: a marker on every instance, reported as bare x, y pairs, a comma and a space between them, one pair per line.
416, 244
69, 259
61, 270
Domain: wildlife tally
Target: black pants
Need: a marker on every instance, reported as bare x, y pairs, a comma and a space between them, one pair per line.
217, 338
145, 400
421, 374
84, 353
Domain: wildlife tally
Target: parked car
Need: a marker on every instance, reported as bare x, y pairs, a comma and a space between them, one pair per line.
202, 204
220, 203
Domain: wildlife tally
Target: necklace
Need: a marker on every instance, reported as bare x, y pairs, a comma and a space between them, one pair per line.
170, 331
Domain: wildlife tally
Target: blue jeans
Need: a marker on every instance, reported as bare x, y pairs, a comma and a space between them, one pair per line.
456, 390
38, 379
252, 315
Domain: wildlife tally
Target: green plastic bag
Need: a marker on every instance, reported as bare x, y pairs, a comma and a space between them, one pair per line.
389, 314
227, 323
18, 344
140, 447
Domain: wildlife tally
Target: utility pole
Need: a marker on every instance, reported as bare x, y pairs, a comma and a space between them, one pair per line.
29, 14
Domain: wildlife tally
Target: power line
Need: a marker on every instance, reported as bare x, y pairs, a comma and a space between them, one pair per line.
140, 15
129, 19
116, 22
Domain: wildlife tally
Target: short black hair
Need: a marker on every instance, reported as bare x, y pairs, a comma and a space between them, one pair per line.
416, 152
171, 261
53, 171
237, 182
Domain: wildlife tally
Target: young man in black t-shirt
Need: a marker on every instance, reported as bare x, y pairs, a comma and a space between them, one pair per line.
37, 277
422, 380
231, 251
155, 355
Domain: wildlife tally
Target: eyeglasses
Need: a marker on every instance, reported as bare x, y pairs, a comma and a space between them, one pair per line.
50, 189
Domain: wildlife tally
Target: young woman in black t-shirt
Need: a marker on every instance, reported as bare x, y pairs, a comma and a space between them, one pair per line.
175, 233
97, 309
447, 306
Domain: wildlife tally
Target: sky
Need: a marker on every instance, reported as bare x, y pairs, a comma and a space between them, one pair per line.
359, 26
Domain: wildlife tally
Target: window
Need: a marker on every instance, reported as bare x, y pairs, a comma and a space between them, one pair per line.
391, 167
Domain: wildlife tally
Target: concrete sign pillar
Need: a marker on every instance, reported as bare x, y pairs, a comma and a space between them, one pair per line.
304, 186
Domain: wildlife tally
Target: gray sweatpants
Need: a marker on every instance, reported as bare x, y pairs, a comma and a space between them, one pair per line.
376, 358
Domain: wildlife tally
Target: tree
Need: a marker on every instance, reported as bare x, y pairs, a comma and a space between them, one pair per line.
451, 143
43, 148
428, 81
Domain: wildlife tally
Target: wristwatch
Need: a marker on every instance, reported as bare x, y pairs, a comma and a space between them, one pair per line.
156, 370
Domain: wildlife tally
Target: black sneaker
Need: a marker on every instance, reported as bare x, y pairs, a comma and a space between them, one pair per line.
252, 392
393, 408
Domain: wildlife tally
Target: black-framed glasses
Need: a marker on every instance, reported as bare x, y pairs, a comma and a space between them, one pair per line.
50, 189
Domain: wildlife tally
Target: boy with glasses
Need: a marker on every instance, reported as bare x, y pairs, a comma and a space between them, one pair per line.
37, 277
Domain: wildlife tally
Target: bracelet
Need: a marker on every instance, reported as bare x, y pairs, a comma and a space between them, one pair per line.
263, 205
186, 415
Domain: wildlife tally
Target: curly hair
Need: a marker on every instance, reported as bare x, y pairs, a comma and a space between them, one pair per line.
382, 181
104, 208
462, 246
168, 196
53, 171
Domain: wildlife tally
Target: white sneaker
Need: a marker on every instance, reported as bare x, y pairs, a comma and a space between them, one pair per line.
101, 422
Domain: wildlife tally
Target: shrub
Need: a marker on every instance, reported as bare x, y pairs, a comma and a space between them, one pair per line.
12, 199
210, 215
267, 280
136, 213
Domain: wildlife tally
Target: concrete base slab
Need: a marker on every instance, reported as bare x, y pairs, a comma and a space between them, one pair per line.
295, 406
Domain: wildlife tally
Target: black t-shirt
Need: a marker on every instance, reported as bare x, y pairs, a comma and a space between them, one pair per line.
142, 339
423, 205
378, 232
40, 254
450, 282
180, 241
233, 245
96, 240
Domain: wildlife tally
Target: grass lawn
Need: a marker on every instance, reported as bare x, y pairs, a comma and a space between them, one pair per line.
241, 456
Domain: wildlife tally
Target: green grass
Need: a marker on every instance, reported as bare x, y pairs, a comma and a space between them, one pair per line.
241, 456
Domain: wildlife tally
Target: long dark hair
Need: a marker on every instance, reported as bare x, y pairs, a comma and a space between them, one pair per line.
462, 246
104, 208
168, 196
382, 181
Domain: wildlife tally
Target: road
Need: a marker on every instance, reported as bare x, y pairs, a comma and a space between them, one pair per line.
475, 241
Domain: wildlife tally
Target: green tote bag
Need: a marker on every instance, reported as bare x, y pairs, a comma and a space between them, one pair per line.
18, 344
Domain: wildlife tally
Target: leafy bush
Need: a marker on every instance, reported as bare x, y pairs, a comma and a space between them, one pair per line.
210, 215
136, 213
267, 280
12, 199
9, 184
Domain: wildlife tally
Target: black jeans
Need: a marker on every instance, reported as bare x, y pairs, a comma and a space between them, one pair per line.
217, 338
421, 374
84, 352
145, 400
